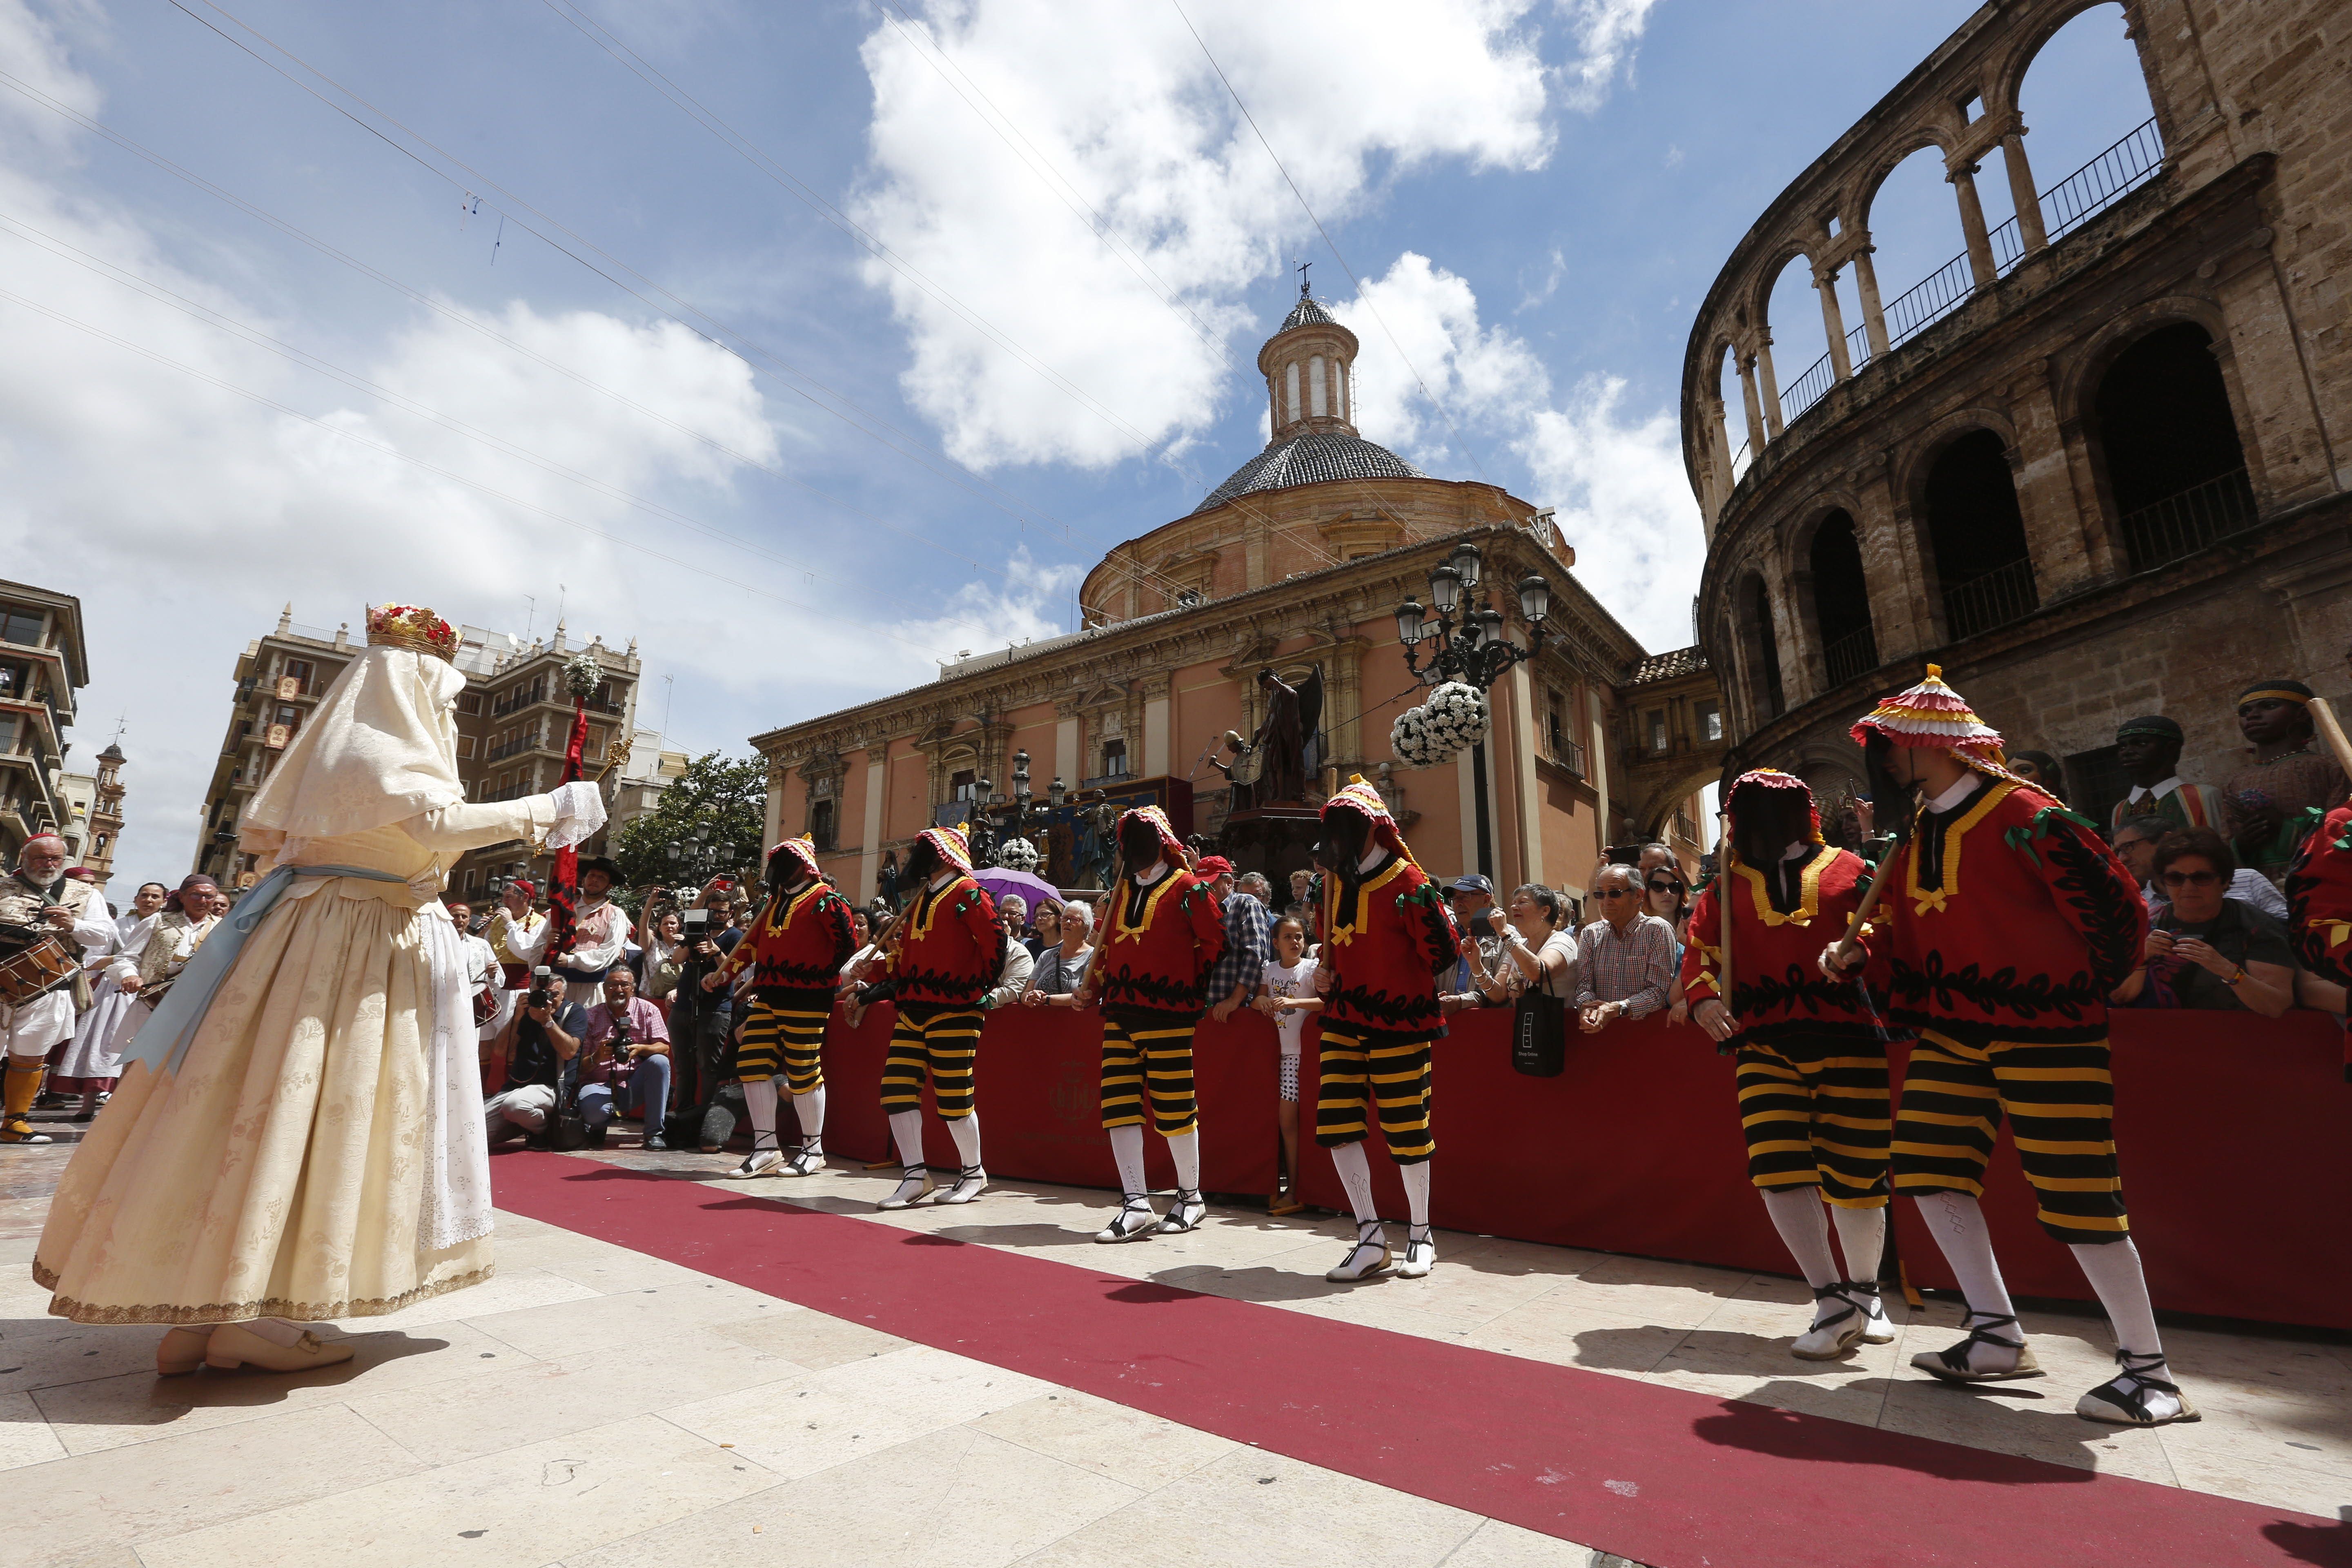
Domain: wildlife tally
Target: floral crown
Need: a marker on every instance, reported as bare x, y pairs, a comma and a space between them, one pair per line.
411, 626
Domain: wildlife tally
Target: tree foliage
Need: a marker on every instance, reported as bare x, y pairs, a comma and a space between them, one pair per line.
722, 798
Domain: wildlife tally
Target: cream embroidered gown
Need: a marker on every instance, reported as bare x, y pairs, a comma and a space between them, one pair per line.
322, 1128
280, 1171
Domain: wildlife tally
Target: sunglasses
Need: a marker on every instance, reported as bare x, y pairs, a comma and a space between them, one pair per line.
1614, 893
1665, 887
2192, 878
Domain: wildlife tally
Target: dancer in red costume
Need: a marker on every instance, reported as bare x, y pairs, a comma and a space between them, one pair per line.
1810, 1064
1387, 934
2006, 925
796, 950
948, 959
1162, 929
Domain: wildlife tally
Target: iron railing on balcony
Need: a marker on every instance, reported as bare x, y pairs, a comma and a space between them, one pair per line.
1855, 653
2185, 524
2074, 200
1567, 754
1997, 597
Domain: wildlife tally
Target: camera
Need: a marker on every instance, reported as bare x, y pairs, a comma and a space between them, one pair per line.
694, 923
542, 988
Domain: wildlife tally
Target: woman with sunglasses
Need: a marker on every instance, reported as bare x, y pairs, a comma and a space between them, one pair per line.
2208, 950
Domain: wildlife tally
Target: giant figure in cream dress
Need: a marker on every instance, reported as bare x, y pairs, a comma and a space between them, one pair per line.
297, 1131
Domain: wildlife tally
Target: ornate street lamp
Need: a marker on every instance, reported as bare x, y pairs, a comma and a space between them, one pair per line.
1468, 640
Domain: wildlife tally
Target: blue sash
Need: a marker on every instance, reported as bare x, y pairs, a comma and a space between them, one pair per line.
164, 1039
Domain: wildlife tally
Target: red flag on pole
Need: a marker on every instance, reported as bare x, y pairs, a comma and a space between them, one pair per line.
564, 883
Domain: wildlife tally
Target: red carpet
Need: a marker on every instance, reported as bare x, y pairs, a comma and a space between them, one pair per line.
1665, 1477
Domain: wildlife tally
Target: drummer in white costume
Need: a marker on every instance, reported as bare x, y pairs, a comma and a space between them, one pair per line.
90, 1059
297, 1132
38, 899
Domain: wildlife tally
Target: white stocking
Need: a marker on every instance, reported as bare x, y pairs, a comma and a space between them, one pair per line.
907, 1131
1185, 1149
1416, 1193
1797, 1215
1355, 1175
1958, 1228
1127, 1148
759, 1099
965, 1130
810, 1108
278, 1331
2113, 1268
1862, 1236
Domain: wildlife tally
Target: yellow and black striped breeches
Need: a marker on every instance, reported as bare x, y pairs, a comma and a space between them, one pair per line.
943, 1042
1390, 1072
2060, 1100
1814, 1109
778, 1040
1143, 1053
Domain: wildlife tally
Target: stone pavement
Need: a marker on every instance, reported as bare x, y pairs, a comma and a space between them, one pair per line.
592, 1406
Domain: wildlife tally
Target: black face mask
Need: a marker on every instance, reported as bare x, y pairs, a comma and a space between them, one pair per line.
1890, 801
1138, 842
1345, 835
923, 862
1765, 821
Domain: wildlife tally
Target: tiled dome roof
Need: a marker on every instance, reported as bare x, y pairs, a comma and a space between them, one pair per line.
1307, 313
1312, 459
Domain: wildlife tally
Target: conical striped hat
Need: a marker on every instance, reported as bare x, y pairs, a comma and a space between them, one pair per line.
1932, 714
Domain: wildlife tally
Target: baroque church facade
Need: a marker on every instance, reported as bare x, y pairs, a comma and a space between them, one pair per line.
1296, 564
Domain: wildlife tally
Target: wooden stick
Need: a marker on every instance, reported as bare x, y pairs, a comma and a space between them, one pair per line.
1723, 879
1862, 911
2323, 717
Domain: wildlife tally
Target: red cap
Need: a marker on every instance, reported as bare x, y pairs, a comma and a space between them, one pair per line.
1212, 867
524, 883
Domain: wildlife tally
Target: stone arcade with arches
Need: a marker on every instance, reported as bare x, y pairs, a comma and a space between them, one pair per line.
2096, 464
1295, 563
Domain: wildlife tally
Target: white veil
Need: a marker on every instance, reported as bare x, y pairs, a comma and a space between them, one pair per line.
381, 748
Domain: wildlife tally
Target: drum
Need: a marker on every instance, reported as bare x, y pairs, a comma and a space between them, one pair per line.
34, 970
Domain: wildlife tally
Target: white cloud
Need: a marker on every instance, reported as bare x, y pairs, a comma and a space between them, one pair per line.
1615, 477
1607, 32
1119, 101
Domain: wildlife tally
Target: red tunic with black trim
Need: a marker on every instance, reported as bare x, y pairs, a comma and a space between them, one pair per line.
2006, 917
796, 948
2319, 904
1777, 987
953, 947
1385, 939
1159, 944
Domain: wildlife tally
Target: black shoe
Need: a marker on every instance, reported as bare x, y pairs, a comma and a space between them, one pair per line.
595, 1138
655, 1141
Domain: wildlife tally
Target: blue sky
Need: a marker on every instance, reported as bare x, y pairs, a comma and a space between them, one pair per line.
887, 460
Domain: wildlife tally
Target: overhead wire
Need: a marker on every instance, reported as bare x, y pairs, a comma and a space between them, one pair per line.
1362, 294
450, 474
752, 153
472, 322
246, 331
704, 325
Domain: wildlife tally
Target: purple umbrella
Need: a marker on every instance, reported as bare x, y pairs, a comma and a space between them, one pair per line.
1000, 881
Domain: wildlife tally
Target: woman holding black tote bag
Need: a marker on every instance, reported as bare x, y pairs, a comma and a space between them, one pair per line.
1546, 967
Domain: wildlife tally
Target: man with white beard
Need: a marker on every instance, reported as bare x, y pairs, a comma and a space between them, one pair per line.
38, 899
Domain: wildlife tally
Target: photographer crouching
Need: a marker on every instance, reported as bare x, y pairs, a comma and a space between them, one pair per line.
627, 1063
547, 1034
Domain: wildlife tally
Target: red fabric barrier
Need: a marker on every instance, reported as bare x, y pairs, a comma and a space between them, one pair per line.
2232, 1130
1039, 1093
2235, 1159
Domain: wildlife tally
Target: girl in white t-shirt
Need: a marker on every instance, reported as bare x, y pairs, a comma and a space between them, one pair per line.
1287, 995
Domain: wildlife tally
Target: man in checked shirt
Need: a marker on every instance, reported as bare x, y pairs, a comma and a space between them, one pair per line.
1247, 943
1624, 960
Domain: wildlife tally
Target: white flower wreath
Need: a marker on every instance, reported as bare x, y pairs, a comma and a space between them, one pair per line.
1016, 855
1455, 717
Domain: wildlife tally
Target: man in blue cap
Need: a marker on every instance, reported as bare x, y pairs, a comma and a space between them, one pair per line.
1477, 978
